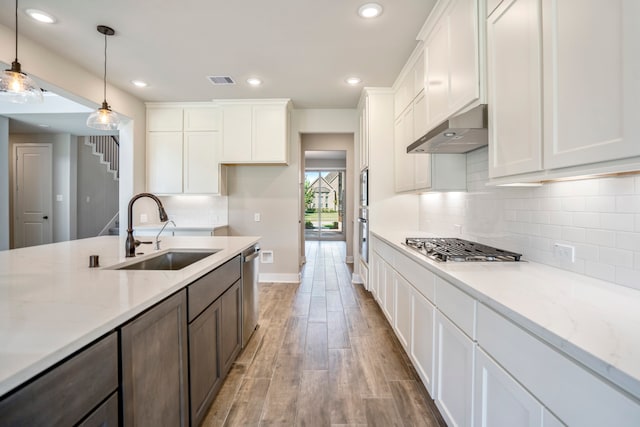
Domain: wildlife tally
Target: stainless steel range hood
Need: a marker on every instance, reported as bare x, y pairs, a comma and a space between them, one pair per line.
459, 134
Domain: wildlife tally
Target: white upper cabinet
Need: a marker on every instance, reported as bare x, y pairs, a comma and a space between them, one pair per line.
183, 149
563, 95
453, 49
255, 131
491, 6
514, 65
591, 87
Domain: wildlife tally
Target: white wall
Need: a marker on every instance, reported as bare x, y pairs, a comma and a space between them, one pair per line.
5, 195
64, 146
343, 142
274, 192
600, 217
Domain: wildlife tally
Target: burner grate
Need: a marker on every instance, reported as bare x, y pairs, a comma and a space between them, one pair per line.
454, 249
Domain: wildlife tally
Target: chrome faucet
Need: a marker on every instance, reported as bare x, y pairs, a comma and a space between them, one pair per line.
161, 230
131, 243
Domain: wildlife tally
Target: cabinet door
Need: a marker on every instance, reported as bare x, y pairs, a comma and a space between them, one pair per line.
164, 119
164, 162
270, 134
236, 133
454, 367
592, 89
402, 320
423, 339
418, 75
437, 74
201, 162
204, 364
231, 326
154, 365
364, 134
464, 66
515, 88
202, 119
390, 290
373, 274
499, 400
422, 162
404, 163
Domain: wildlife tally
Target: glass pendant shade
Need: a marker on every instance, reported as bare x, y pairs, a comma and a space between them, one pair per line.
16, 86
103, 119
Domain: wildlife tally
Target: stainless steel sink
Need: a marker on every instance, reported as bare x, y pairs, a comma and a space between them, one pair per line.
172, 260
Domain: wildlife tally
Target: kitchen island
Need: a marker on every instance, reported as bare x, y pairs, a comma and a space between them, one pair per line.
52, 304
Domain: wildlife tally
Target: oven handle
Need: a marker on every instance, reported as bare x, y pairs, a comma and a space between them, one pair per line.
362, 220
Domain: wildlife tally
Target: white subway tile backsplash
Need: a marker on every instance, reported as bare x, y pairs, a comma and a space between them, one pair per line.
629, 241
616, 186
573, 204
601, 238
600, 217
586, 219
600, 204
616, 221
617, 257
628, 203
574, 234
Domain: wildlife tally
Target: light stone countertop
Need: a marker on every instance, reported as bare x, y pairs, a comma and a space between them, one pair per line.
594, 322
52, 304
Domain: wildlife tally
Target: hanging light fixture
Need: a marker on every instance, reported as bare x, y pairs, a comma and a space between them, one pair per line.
16, 86
103, 118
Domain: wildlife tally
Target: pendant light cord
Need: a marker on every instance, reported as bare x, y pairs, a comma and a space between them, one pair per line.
104, 80
16, 31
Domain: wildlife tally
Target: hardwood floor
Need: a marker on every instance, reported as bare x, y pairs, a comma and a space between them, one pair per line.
323, 355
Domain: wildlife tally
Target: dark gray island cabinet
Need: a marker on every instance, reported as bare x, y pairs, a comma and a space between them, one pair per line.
173, 359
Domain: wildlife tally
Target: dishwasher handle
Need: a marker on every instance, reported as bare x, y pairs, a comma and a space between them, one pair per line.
251, 256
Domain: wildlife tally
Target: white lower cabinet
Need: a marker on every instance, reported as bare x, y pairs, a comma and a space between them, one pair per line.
455, 354
389, 291
423, 338
402, 320
500, 400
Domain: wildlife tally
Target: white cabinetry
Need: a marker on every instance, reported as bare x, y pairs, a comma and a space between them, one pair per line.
563, 97
515, 88
402, 319
255, 131
364, 132
423, 338
453, 47
499, 400
183, 149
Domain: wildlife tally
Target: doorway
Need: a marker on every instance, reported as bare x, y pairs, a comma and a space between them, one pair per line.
324, 198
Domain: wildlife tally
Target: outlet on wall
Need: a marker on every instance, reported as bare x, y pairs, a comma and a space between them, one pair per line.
564, 253
256, 217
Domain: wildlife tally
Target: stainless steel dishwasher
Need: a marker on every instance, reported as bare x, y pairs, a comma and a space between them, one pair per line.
250, 308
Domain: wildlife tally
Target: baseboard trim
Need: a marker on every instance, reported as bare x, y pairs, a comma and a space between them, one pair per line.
349, 259
279, 278
355, 278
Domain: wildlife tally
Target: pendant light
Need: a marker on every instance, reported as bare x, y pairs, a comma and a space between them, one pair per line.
16, 86
103, 118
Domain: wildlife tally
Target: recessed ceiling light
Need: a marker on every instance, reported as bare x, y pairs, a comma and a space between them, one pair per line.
354, 81
139, 83
253, 81
40, 16
370, 10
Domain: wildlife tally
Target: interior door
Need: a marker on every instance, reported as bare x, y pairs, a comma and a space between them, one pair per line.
32, 195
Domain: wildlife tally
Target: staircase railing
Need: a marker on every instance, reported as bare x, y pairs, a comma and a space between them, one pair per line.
109, 147
111, 224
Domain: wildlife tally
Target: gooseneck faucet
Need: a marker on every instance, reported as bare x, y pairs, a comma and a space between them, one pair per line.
131, 243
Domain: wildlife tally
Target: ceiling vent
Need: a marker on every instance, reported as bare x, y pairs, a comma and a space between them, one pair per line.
221, 80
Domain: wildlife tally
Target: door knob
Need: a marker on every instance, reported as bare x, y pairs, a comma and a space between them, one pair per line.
45, 217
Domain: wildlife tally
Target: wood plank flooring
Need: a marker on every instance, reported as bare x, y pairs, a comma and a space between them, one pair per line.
323, 355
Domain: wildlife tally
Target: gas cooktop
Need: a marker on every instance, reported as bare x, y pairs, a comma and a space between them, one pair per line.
458, 250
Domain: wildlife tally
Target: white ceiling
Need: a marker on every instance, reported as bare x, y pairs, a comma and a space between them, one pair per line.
301, 49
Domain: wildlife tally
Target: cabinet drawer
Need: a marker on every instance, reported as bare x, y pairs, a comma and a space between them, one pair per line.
208, 288
459, 307
105, 415
68, 392
419, 277
575, 395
